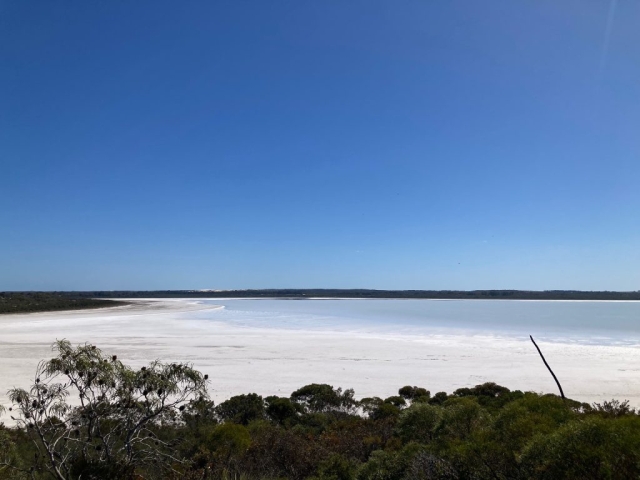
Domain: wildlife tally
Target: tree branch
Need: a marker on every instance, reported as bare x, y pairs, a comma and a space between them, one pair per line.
548, 367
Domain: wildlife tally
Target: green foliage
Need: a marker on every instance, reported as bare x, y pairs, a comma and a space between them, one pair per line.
396, 401
529, 416
439, 398
323, 398
390, 464
229, 439
276, 452
588, 448
490, 389
282, 410
427, 466
89, 416
378, 409
112, 427
613, 409
11, 302
242, 409
337, 467
11, 465
418, 423
489, 395
413, 393
198, 412
461, 417
313, 422
382, 465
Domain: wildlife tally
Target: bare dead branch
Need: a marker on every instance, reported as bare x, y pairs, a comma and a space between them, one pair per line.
548, 367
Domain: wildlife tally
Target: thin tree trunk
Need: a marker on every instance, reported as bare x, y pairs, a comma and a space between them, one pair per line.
547, 365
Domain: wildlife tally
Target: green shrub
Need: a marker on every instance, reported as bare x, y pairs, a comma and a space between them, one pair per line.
593, 448
418, 422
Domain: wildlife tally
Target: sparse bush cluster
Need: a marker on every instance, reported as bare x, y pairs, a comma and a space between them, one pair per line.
89, 416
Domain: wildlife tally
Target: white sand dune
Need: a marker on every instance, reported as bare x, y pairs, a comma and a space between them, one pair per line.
242, 359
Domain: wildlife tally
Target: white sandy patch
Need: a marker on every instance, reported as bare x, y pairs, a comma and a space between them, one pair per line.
243, 359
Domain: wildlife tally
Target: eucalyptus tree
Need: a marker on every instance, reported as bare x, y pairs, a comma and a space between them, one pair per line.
91, 416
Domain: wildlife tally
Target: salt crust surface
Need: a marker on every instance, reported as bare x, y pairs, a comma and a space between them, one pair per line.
276, 361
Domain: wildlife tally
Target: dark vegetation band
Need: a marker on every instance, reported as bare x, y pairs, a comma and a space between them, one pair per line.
11, 302
88, 415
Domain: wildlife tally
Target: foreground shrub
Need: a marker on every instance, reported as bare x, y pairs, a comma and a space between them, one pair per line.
418, 423
88, 416
113, 430
242, 409
589, 448
323, 398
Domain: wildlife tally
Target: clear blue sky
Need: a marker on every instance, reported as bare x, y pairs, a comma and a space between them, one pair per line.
426, 144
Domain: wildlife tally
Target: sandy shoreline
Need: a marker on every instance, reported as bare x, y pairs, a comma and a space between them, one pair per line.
243, 359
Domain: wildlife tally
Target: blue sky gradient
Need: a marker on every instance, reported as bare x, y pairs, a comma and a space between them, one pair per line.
400, 145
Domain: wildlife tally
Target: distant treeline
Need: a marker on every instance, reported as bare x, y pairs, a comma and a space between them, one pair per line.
11, 302
362, 293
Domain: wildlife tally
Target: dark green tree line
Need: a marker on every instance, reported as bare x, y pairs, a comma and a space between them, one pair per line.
89, 416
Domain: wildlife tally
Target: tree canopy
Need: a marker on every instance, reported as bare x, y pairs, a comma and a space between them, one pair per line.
89, 416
